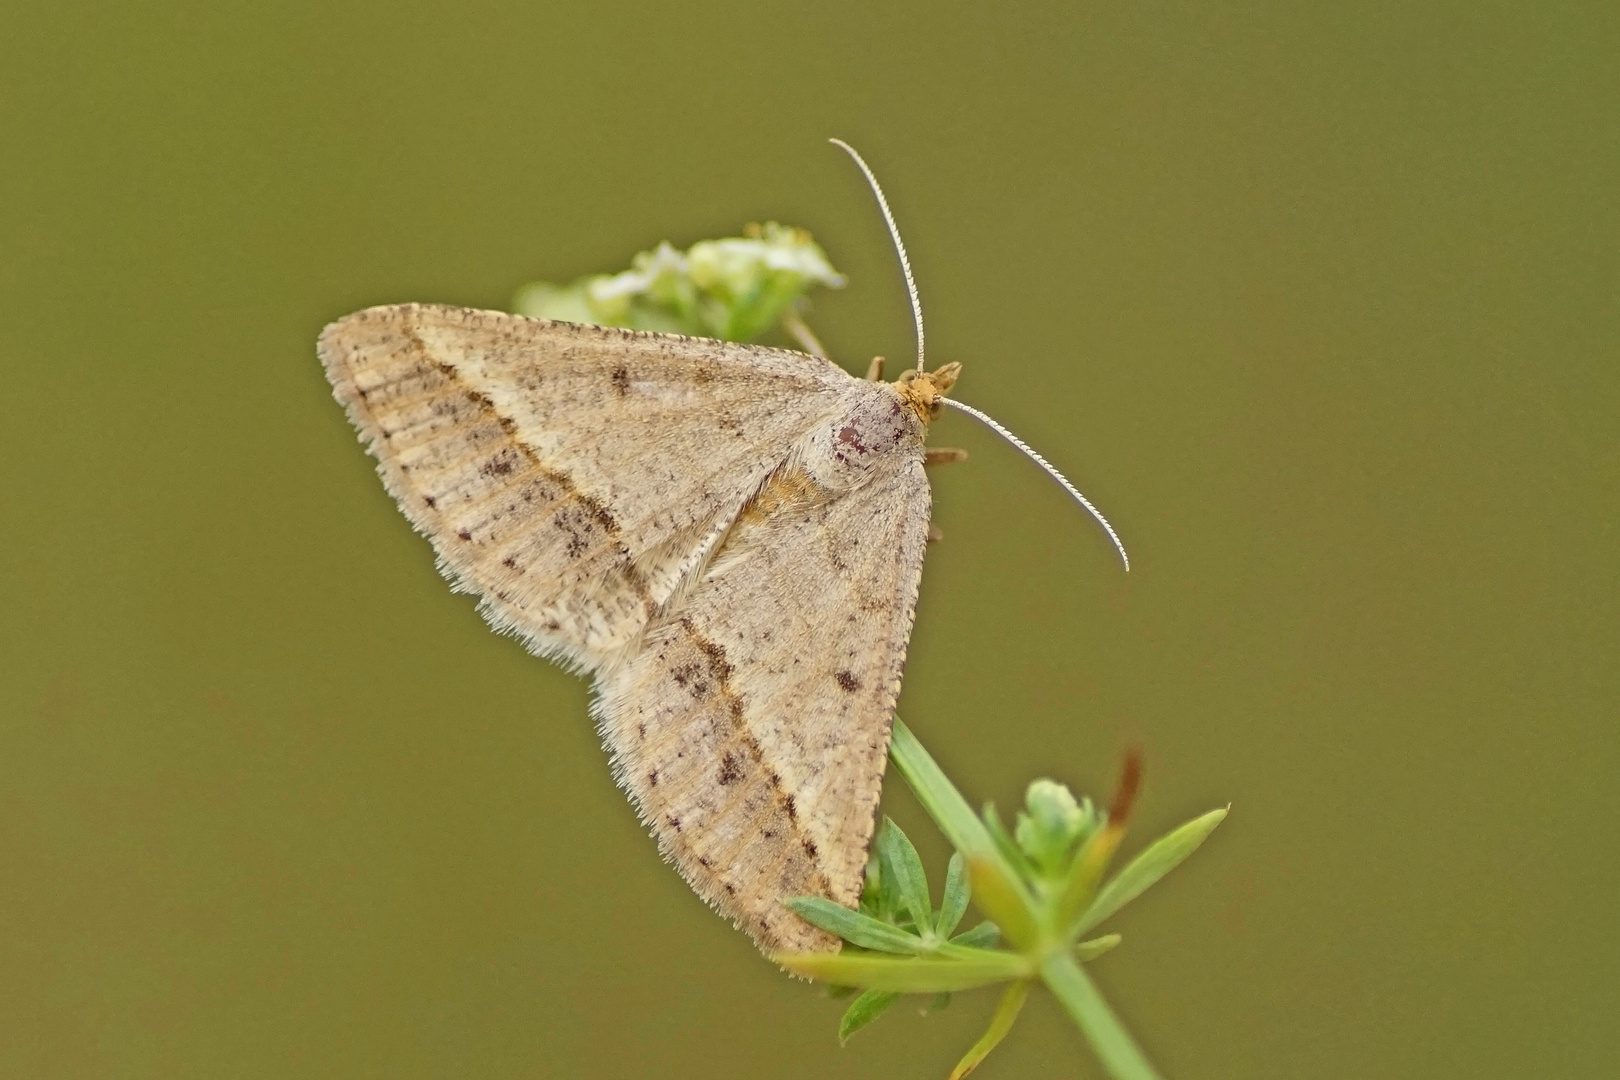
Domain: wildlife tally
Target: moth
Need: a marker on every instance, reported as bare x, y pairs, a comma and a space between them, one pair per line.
727, 538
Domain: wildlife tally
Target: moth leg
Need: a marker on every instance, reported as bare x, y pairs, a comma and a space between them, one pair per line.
934, 533
943, 455
793, 324
874, 370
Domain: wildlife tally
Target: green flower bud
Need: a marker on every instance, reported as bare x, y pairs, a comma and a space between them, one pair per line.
1053, 826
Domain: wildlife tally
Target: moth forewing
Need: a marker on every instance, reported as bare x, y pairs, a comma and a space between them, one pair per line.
729, 538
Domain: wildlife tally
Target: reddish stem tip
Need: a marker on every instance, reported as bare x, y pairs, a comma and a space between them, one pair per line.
1130, 783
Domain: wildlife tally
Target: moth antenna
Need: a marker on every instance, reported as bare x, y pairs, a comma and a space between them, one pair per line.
894, 234
1051, 470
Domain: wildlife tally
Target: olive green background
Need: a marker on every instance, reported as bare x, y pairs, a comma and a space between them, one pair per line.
1317, 301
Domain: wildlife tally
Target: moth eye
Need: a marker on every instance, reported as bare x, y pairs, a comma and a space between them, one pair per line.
935, 407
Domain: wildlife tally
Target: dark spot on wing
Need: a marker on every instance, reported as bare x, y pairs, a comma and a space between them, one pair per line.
719, 666
691, 677
501, 464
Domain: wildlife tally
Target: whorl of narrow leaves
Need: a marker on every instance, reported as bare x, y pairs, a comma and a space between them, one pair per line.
1039, 882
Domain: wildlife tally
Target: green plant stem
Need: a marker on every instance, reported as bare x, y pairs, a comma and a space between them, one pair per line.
1119, 1053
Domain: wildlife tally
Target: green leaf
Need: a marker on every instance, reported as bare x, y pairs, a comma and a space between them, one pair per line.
937, 794
961, 969
1085, 873
875, 900
1090, 950
1007, 900
855, 927
904, 868
1113, 1044
1005, 844
863, 1010
1001, 895
982, 936
1001, 1022
954, 904
1162, 856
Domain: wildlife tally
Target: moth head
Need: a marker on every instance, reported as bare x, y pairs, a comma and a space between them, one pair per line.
924, 391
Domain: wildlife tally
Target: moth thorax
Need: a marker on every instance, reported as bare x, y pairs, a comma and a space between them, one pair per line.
842, 455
